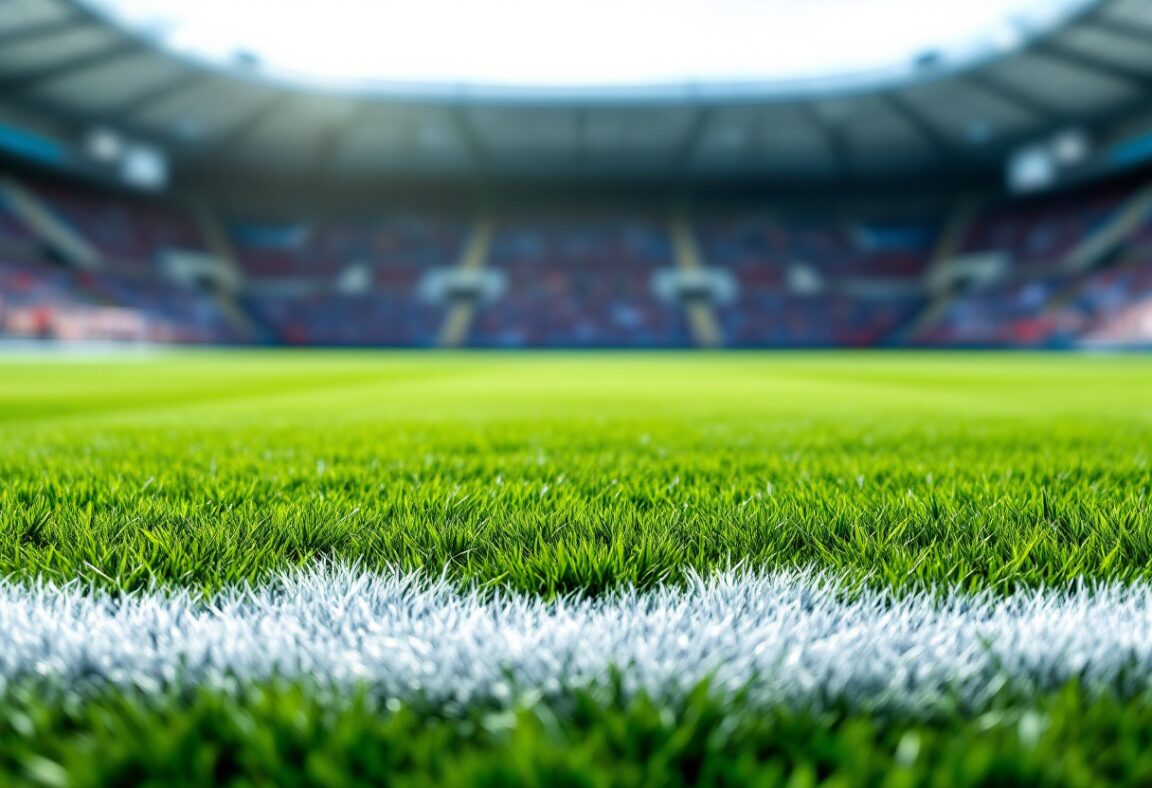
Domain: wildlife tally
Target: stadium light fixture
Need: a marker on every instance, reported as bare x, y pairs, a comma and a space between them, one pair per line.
105, 145
1070, 147
144, 166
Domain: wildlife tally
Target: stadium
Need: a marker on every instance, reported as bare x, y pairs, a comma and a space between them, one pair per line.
503, 393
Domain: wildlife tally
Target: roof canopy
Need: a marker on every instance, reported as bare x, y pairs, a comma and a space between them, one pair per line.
870, 112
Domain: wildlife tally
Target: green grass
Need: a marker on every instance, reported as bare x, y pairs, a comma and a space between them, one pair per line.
554, 473
286, 736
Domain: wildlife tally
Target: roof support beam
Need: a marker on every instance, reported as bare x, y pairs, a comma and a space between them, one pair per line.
1137, 78
334, 139
22, 81
28, 33
229, 140
941, 145
1129, 29
685, 155
580, 127
1010, 94
472, 142
833, 137
145, 98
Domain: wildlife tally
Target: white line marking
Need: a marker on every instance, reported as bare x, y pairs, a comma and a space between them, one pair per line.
792, 638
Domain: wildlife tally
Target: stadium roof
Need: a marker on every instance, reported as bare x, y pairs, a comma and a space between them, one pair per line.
896, 108
560, 49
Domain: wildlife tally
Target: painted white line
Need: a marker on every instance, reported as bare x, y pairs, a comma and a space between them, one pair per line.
791, 638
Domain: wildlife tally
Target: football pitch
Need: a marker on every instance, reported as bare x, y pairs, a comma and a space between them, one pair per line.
586, 569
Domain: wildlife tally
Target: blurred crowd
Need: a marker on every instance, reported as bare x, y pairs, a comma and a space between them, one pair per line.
579, 281
819, 278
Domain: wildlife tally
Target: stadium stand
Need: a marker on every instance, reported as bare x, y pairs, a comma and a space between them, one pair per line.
125, 295
580, 282
1061, 283
13, 232
1111, 307
346, 282
813, 281
129, 233
1065, 271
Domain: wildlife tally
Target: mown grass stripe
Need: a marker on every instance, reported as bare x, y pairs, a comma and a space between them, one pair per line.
583, 472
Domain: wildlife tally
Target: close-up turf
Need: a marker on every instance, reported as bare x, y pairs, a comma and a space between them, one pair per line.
588, 569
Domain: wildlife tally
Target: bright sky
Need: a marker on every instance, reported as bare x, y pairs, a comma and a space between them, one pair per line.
586, 43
